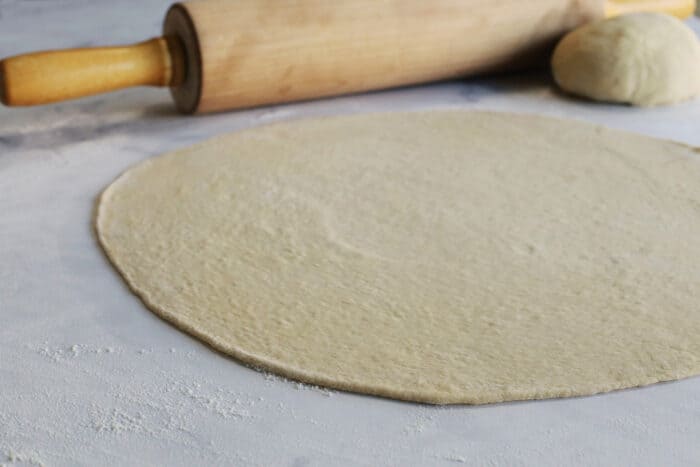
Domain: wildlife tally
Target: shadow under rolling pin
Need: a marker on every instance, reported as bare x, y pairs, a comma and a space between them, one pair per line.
218, 55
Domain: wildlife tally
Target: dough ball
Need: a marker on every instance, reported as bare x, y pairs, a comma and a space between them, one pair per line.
644, 59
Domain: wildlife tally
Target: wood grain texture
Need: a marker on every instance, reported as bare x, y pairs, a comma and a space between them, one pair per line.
256, 52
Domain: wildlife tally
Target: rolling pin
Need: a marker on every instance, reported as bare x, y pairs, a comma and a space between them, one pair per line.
217, 54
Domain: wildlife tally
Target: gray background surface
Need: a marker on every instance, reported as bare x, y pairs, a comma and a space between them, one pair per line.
88, 376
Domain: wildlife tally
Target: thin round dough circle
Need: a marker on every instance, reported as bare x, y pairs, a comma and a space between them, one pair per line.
441, 257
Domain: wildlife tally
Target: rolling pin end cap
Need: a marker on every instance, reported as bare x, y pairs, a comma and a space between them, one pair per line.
183, 44
3, 92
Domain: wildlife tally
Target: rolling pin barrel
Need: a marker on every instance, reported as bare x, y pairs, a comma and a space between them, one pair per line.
218, 54
251, 52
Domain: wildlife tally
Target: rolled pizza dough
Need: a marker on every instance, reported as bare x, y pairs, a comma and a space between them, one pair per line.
442, 257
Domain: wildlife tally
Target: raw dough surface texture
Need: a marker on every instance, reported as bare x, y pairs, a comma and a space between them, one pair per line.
444, 257
644, 59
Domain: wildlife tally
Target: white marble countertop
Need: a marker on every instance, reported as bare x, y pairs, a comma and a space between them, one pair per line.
88, 376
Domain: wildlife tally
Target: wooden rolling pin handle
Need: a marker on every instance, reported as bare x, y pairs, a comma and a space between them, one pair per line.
57, 75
